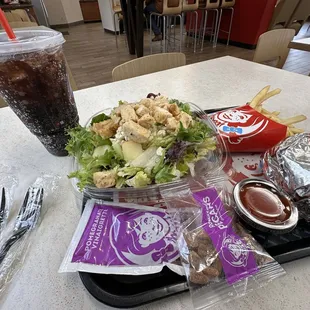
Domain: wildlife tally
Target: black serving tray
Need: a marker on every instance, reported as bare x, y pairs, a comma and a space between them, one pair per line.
122, 291
131, 291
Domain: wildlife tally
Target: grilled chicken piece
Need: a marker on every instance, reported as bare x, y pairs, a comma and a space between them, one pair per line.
172, 124
142, 110
128, 113
185, 119
161, 115
134, 132
146, 121
174, 109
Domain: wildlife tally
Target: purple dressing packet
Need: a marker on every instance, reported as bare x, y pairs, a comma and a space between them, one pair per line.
222, 261
138, 239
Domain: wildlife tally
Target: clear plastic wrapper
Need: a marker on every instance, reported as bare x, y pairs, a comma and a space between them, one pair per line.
8, 183
288, 166
222, 260
21, 229
123, 238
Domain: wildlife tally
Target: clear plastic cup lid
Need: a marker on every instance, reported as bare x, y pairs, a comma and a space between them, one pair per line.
29, 41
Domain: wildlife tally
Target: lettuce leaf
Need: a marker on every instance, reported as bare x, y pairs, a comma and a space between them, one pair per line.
82, 142
185, 107
104, 161
205, 147
120, 182
165, 142
182, 167
128, 172
99, 118
141, 179
89, 165
197, 132
176, 152
159, 164
165, 175
85, 177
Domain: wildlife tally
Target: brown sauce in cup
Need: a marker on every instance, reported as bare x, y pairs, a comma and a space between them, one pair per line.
265, 203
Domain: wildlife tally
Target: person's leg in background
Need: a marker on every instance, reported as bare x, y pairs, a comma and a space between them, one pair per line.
150, 8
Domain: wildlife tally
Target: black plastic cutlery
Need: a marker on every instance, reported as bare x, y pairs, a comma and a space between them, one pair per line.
2, 208
26, 219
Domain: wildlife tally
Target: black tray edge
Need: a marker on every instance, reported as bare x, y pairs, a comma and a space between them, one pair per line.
136, 300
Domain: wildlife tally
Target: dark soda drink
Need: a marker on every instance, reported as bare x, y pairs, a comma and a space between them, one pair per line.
34, 83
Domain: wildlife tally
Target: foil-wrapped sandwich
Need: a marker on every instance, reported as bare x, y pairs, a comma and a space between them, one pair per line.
288, 166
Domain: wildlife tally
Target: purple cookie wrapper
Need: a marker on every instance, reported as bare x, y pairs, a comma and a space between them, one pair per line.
237, 259
117, 236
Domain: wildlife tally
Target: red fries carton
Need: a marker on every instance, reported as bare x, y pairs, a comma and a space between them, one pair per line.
247, 130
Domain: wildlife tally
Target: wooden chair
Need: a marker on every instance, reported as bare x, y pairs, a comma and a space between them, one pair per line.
148, 64
274, 45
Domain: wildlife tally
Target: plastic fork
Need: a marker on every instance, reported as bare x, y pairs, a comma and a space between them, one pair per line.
2, 207
2, 210
26, 219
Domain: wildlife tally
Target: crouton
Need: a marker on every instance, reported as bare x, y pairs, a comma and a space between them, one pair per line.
117, 111
161, 115
104, 179
174, 109
172, 124
146, 121
116, 119
105, 129
135, 132
146, 102
142, 110
185, 119
128, 113
136, 106
164, 105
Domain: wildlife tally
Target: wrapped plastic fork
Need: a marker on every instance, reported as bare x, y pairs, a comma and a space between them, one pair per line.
8, 183
2, 208
20, 233
26, 220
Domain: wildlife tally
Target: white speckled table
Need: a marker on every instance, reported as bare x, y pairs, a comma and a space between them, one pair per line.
216, 83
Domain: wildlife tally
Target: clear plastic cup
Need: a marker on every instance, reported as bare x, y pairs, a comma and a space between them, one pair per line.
35, 84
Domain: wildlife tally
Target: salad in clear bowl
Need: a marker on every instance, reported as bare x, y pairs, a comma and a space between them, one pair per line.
143, 144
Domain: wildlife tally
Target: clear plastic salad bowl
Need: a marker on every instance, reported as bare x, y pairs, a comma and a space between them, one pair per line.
211, 166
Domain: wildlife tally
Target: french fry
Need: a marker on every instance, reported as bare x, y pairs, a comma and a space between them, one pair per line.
295, 130
267, 113
258, 98
276, 119
289, 133
294, 120
272, 93
261, 97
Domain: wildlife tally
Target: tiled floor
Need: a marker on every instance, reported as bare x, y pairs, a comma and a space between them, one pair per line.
92, 54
